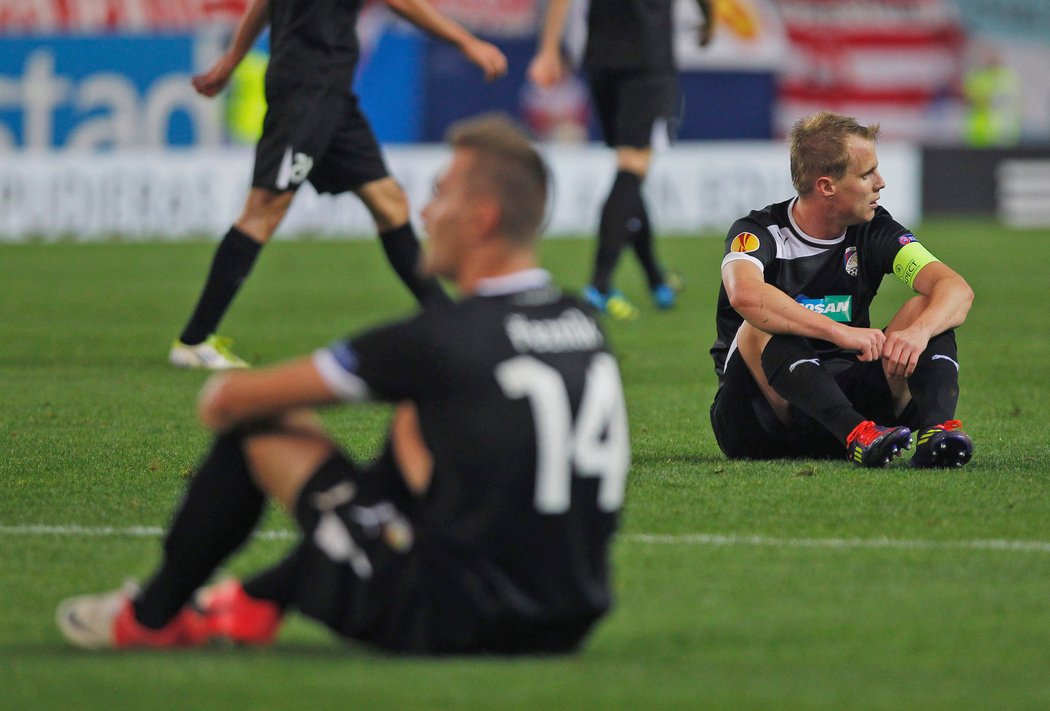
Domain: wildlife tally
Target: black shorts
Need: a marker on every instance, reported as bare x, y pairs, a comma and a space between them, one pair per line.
634, 106
367, 573
318, 134
745, 426
357, 558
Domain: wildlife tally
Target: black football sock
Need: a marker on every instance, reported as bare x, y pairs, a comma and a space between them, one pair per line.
219, 511
277, 584
622, 218
794, 371
645, 250
230, 266
934, 385
403, 252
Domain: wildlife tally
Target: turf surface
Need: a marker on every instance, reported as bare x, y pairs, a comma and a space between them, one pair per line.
740, 585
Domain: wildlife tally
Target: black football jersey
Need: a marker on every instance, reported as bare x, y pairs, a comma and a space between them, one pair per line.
314, 41
630, 34
521, 405
838, 277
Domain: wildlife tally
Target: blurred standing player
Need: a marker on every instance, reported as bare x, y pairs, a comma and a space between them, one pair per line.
630, 64
314, 130
802, 373
485, 525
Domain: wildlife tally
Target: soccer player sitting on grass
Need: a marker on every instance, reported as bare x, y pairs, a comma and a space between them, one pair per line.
484, 526
801, 371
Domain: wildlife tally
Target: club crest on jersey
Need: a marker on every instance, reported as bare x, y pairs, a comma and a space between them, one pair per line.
850, 262
744, 242
836, 307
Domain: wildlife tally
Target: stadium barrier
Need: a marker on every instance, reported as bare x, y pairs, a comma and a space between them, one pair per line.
694, 188
1012, 184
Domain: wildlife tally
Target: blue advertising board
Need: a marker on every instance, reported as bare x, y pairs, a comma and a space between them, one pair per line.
97, 92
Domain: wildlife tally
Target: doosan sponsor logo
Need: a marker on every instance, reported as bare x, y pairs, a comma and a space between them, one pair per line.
838, 308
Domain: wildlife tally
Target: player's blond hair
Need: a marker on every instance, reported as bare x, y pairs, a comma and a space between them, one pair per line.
819, 147
510, 169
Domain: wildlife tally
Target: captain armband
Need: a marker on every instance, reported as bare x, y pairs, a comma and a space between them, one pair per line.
910, 260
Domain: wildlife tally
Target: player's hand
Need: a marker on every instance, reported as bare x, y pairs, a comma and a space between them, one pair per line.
487, 56
867, 343
901, 352
214, 80
546, 69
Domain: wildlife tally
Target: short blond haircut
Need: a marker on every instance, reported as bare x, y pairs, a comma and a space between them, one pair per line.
510, 169
819, 147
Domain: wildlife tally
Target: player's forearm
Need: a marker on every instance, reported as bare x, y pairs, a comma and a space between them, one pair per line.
234, 398
253, 21
553, 25
424, 16
949, 303
769, 309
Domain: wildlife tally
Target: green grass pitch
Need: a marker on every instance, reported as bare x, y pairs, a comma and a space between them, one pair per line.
740, 585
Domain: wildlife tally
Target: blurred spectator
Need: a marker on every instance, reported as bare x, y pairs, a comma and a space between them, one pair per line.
993, 94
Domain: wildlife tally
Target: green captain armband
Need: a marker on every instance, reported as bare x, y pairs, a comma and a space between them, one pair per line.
910, 260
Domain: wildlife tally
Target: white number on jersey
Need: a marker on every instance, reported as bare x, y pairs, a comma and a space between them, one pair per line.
596, 445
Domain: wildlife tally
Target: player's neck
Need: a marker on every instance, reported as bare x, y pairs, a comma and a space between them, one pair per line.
494, 264
814, 221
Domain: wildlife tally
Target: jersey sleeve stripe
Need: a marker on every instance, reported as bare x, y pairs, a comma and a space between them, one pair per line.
736, 256
344, 384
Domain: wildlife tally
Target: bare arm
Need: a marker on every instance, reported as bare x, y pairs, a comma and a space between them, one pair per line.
948, 300
546, 67
250, 27
233, 398
769, 309
424, 16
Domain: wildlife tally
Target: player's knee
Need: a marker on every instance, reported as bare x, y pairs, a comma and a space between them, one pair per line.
283, 457
263, 212
781, 351
634, 160
387, 203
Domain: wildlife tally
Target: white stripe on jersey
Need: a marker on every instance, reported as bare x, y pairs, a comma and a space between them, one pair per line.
789, 246
346, 385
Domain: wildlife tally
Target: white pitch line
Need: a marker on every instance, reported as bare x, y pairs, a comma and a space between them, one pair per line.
718, 540
127, 532
713, 540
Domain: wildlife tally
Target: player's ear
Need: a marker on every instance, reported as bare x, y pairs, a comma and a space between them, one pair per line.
488, 213
825, 187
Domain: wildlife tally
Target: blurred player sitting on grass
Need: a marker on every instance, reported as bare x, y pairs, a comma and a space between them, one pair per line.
483, 527
801, 371
314, 130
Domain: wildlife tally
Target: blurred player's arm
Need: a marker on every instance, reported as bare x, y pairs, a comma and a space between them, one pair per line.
424, 16
243, 396
234, 398
769, 309
706, 30
947, 302
253, 21
547, 67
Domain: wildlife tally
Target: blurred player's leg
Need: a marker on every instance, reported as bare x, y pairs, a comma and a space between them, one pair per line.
219, 512
621, 217
197, 346
387, 203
